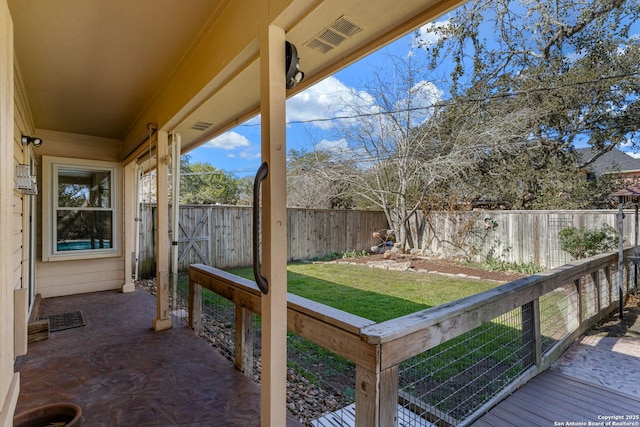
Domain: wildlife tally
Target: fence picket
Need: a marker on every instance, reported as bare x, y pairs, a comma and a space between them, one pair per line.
220, 236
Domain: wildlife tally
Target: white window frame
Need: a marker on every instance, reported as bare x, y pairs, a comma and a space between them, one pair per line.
50, 167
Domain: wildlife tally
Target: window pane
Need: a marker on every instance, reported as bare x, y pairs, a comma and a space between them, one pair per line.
84, 230
83, 188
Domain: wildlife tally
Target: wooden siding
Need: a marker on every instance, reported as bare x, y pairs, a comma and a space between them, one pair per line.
23, 124
220, 236
9, 381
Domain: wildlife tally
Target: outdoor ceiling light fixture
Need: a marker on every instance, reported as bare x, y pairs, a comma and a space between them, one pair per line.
37, 142
294, 75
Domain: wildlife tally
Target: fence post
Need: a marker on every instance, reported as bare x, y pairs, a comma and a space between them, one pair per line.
244, 340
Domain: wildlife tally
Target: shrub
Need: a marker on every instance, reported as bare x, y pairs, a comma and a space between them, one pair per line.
583, 243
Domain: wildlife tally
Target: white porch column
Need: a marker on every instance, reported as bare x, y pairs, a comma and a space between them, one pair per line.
162, 320
274, 228
130, 218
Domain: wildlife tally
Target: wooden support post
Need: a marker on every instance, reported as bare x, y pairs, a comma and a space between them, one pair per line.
273, 410
376, 397
130, 218
162, 320
244, 340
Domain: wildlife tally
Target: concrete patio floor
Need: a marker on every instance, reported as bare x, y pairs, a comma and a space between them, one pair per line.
122, 373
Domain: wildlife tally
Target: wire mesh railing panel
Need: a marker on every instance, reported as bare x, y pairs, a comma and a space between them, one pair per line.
589, 297
179, 297
603, 289
446, 384
319, 382
615, 280
218, 323
558, 316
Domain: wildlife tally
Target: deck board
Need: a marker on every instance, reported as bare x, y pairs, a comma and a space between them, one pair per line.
346, 417
552, 398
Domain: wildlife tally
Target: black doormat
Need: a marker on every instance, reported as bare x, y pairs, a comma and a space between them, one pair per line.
59, 322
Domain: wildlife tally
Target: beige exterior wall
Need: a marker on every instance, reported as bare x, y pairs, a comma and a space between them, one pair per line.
9, 381
58, 278
22, 124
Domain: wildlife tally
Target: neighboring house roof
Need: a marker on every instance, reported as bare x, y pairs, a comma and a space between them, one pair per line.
614, 161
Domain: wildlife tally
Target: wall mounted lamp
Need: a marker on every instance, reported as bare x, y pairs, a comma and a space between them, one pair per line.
37, 142
294, 75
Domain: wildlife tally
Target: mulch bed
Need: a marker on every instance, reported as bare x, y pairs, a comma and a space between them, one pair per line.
429, 265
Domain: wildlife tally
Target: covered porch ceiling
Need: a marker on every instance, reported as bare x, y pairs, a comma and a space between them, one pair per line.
106, 68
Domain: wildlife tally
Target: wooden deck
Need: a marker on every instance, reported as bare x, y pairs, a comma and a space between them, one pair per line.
554, 399
346, 417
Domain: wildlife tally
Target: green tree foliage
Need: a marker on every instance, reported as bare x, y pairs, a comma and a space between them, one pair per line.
533, 179
583, 243
202, 183
569, 71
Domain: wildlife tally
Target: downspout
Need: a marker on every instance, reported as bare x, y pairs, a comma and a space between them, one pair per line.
176, 142
138, 174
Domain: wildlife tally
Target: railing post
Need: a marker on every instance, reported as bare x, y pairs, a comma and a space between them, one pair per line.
195, 306
595, 276
389, 397
376, 397
244, 340
531, 334
578, 285
607, 272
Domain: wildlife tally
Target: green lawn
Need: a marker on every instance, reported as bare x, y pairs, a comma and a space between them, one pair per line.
375, 294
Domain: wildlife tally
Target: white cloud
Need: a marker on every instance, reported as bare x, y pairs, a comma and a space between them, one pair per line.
423, 96
323, 102
429, 34
337, 146
229, 141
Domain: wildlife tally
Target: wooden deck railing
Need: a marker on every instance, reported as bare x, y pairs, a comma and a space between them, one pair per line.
589, 289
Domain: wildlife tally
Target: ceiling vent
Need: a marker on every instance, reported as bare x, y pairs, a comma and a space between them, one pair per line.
332, 36
201, 126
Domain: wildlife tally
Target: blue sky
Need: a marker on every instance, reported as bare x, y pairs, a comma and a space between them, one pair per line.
309, 113
238, 151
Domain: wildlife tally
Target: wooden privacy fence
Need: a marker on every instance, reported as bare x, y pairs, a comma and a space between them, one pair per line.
445, 365
513, 236
220, 236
